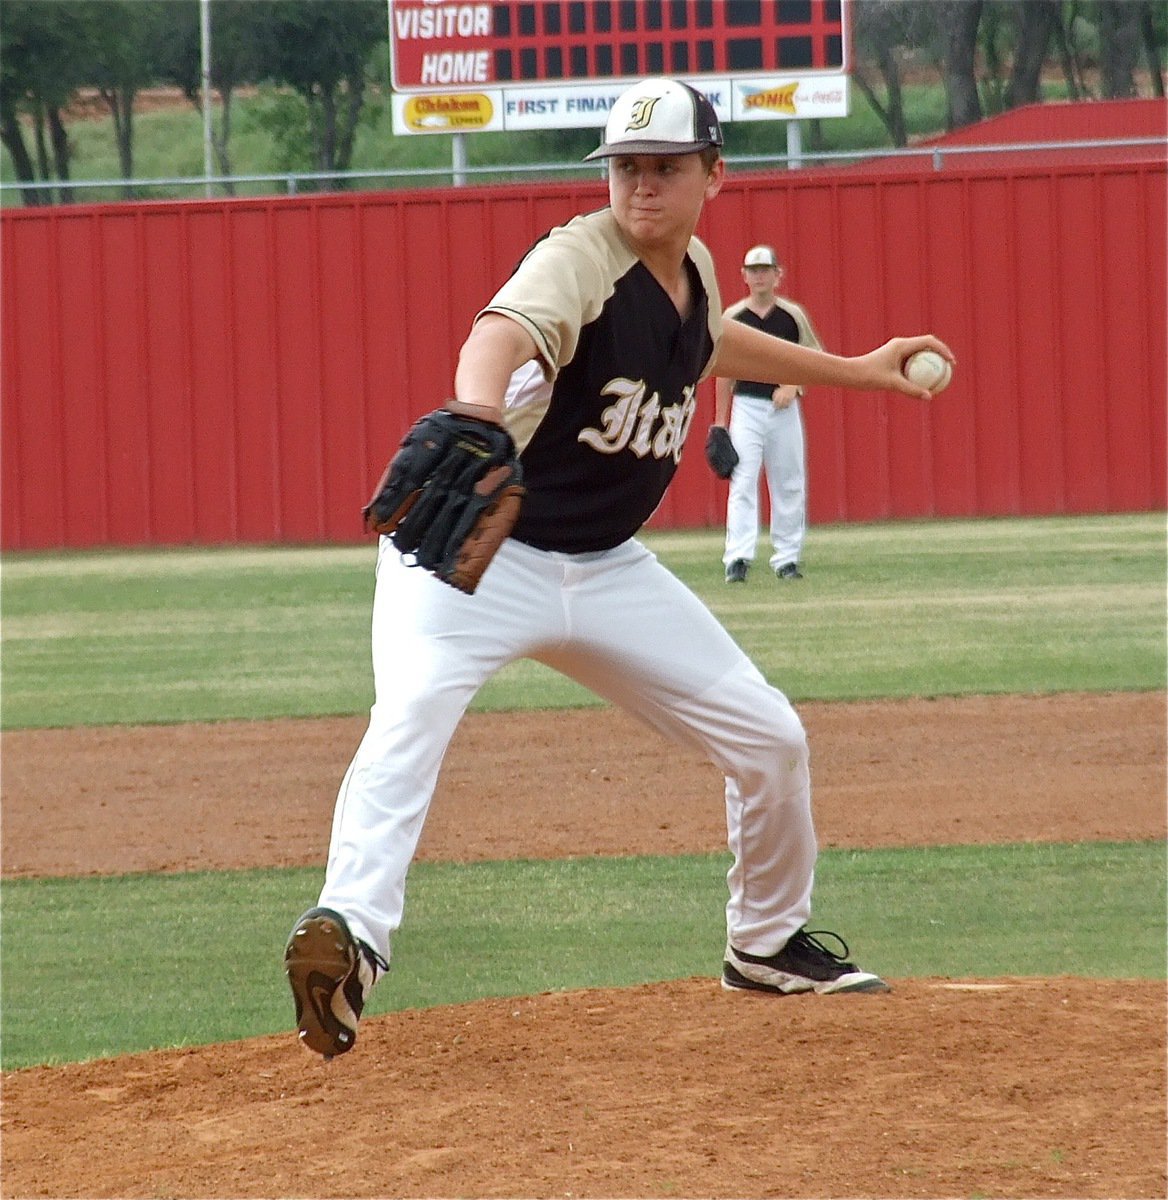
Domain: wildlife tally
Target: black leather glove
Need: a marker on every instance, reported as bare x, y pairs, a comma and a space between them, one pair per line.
450, 494
720, 452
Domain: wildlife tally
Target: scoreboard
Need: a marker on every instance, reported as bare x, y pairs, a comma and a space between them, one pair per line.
570, 41
516, 64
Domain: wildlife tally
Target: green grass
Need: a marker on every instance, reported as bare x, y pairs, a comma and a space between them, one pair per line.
106, 966
903, 609
171, 636
930, 608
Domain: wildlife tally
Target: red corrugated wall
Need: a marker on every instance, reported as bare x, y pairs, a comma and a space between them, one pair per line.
221, 371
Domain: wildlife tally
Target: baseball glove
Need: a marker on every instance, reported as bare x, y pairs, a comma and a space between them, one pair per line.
450, 494
720, 452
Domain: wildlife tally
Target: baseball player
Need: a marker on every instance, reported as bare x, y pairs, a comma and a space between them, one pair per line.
590, 355
766, 430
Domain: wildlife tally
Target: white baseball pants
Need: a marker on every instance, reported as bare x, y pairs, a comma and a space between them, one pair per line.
769, 439
625, 627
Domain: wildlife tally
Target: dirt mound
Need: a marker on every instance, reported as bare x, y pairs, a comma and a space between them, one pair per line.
1050, 1087
942, 1088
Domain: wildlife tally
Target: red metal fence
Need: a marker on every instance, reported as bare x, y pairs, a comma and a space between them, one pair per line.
239, 370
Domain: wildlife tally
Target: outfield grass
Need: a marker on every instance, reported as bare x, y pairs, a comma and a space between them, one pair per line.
106, 966
904, 609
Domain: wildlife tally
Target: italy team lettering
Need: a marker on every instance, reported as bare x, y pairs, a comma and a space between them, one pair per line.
631, 421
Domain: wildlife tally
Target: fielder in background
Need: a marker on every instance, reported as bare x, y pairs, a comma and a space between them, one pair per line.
589, 357
765, 427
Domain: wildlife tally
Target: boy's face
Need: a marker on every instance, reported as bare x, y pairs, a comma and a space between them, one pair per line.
762, 280
657, 198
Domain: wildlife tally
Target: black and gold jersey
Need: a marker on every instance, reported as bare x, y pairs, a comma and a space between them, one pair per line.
786, 320
600, 417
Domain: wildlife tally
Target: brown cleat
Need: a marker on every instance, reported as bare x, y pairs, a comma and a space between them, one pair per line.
330, 974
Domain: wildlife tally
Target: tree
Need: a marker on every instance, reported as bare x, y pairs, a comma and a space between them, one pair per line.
959, 20
321, 51
16, 81
1119, 43
1035, 21
128, 38
995, 41
1068, 59
235, 41
1152, 41
44, 59
882, 28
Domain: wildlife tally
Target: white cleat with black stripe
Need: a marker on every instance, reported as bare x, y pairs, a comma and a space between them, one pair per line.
804, 964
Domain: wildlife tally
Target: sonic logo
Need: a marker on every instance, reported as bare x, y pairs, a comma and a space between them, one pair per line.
777, 100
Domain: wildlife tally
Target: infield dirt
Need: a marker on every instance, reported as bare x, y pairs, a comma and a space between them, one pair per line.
945, 1087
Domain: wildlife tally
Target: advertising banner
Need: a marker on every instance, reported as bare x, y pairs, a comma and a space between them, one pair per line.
559, 64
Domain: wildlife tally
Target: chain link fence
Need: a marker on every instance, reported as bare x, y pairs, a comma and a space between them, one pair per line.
290, 183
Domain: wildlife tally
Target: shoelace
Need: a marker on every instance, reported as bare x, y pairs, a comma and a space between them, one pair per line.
375, 959
809, 938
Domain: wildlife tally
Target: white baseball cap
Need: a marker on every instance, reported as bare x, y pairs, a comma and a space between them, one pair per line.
760, 256
659, 116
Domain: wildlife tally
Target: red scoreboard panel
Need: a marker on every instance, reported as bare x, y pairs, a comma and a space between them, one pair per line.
509, 42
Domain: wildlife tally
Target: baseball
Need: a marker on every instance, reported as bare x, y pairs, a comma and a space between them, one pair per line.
928, 369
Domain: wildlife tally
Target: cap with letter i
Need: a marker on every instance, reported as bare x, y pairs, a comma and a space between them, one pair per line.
760, 256
659, 116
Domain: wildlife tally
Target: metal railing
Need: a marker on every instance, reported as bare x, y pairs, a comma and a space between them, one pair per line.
293, 182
